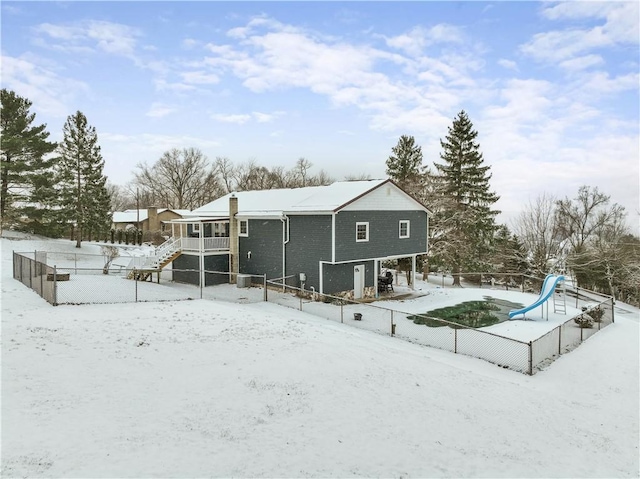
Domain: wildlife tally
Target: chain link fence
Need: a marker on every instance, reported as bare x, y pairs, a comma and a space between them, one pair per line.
78, 278
70, 281
507, 281
35, 274
525, 357
570, 334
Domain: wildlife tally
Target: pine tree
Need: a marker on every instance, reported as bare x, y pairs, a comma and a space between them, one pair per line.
83, 194
404, 166
26, 182
465, 223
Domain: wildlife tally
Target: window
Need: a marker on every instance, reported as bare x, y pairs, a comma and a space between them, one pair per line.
362, 231
404, 229
243, 228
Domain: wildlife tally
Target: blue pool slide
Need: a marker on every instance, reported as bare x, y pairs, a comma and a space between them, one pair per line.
548, 287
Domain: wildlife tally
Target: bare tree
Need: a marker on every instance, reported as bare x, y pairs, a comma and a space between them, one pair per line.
585, 215
121, 198
225, 171
594, 229
536, 228
181, 179
301, 171
358, 177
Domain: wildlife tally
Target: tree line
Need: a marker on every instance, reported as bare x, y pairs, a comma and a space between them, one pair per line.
585, 236
48, 188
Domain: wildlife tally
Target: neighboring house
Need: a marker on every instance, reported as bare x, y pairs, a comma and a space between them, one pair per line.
329, 239
149, 219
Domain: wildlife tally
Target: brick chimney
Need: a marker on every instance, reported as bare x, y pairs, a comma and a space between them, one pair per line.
234, 244
152, 215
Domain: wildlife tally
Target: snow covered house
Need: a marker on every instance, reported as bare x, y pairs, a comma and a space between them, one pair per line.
147, 219
329, 239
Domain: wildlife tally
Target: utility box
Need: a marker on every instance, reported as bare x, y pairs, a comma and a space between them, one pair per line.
244, 281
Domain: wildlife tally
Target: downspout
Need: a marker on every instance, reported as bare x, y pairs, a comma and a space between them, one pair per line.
201, 248
285, 240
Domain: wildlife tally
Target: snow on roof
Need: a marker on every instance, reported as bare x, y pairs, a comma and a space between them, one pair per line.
291, 200
131, 216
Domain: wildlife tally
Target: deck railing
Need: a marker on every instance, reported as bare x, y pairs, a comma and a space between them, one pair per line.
209, 244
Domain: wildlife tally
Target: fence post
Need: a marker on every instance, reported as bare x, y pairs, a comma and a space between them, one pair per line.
301, 301
341, 312
530, 358
581, 330
55, 285
264, 285
455, 340
393, 326
559, 340
613, 320
31, 274
135, 277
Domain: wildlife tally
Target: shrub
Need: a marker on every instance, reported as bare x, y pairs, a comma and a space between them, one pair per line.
584, 321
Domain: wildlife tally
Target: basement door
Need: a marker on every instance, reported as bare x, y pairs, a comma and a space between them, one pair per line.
358, 281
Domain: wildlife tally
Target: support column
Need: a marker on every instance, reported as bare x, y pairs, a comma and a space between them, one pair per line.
413, 272
234, 241
376, 274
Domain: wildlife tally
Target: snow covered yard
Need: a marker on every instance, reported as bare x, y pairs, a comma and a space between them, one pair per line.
215, 389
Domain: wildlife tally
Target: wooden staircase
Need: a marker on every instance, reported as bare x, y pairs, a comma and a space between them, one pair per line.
142, 268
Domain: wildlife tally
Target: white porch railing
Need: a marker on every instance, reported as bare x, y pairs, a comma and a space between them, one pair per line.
216, 243
209, 244
167, 249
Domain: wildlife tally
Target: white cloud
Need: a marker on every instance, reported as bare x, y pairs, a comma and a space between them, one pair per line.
108, 37
160, 110
11, 9
581, 63
619, 26
163, 85
200, 78
121, 151
416, 40
237, 119
241, 119
50, 93
508, 64
189, 43
266, 117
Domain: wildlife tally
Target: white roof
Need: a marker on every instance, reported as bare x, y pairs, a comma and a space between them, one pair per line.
291, 200
131, 216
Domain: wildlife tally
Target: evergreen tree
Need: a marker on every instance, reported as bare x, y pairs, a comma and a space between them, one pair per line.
465, 223
509, 255
84, 199
25, 176
404, 165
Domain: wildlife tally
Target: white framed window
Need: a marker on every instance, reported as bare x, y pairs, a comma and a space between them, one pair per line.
243, 228
404, 229
195, 228
362, 231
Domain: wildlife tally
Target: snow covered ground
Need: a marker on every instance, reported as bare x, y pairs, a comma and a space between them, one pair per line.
211, 388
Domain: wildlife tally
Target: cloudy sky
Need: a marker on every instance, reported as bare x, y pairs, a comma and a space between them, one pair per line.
552, 88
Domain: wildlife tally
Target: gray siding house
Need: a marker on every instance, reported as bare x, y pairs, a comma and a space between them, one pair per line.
330, 239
